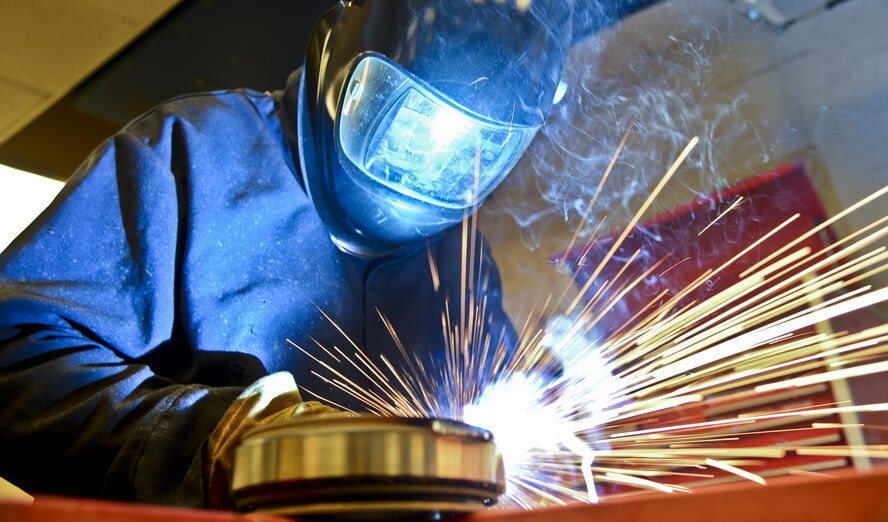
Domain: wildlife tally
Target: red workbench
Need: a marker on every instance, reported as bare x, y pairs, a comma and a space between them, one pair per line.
846, 497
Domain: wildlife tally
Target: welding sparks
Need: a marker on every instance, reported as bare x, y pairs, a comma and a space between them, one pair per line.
735, 470
714, 221
667, 399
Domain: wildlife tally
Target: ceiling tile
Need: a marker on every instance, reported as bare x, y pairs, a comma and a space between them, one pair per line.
139, 12
17, 103
51, 44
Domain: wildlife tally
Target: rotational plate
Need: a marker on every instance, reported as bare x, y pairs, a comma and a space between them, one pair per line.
362, 466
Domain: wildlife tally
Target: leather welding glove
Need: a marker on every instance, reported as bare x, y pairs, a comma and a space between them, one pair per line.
273, 398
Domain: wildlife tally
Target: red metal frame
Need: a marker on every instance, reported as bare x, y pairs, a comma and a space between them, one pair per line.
843, 496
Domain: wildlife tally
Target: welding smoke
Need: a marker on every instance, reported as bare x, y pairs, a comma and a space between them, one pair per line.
658, 73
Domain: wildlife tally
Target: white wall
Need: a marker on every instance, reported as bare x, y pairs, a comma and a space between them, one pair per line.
23, 196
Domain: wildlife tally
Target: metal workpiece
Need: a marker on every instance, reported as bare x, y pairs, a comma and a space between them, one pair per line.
362, 466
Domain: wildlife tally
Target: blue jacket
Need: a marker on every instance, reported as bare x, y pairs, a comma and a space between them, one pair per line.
168, 275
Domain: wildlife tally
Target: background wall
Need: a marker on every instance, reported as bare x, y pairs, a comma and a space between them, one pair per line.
757, 95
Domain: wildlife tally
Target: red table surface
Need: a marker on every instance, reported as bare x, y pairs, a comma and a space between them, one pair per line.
846, 496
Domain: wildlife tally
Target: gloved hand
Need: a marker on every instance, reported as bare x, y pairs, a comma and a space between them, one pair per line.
272, 398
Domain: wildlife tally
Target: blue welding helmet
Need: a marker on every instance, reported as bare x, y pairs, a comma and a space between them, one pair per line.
412, 111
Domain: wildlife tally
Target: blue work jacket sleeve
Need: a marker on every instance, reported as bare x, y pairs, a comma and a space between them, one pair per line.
85, 293
185, 251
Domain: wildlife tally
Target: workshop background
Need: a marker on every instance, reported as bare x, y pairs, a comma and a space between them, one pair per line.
765, 84
770, 82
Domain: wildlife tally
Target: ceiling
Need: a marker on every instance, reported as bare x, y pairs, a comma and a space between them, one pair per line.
50, 46
80, 69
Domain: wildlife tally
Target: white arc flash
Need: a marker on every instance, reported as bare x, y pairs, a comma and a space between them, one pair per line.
516, 411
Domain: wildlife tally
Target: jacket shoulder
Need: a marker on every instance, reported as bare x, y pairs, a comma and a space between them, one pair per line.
219, 112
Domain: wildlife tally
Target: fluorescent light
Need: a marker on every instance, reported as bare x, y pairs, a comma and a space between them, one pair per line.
23, 196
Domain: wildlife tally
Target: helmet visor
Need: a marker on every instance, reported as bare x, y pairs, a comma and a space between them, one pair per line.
405, 136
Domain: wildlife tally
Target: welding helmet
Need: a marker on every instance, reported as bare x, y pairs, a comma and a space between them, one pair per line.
412, 111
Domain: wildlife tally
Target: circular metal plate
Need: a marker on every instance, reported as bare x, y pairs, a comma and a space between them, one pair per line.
361, 466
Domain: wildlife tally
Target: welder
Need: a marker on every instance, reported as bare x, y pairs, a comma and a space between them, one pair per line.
144, 315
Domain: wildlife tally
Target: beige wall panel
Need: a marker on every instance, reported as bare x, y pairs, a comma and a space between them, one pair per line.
682, 68
839, 89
